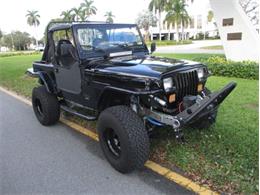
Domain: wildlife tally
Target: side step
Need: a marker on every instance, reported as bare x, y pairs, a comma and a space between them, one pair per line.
74, 112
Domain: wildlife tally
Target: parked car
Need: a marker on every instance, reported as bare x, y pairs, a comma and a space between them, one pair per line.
39, 48
104, 72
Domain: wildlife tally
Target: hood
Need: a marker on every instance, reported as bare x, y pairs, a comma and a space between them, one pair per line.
147, 66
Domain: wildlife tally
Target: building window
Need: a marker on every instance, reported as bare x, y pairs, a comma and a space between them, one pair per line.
234, 36
199, 22
227, 22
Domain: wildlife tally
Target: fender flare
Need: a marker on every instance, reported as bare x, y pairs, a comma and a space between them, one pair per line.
47, 81
104, 97
125, 92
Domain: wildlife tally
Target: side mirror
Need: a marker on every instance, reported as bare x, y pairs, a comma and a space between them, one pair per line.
153, 47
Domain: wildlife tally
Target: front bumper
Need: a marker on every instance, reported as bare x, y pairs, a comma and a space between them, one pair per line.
196, 111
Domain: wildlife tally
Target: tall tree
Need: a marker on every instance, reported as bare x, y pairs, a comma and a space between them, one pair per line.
1, 34
76, 14
144, 21
109, 17
210, 15
17, 40
158, 6
33, 20
88, 8
176, 14
1, 41
185, 19
66, 15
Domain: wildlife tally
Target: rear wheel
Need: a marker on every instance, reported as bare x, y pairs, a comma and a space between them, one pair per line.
123, 138
46, 106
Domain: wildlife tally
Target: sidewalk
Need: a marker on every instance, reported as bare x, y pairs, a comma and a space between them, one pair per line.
192, 48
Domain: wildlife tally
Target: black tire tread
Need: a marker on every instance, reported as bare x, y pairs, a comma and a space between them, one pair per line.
137, 135
50, 104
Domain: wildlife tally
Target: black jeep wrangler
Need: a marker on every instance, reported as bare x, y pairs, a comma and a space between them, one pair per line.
103, 71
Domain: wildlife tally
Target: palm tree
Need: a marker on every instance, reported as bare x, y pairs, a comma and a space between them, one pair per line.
158, 6
109, 15
66, 15
144, 21
185, 19
76, 14
176, 14
33, 20
88, 8
210, 16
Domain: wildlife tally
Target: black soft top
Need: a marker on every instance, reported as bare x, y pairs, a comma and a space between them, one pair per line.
54, 26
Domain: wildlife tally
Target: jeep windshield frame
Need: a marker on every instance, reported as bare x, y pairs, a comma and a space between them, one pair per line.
133, 42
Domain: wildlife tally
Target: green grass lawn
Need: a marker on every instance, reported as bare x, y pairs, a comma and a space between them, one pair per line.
168, 43
212, 47
224, 157
12, 75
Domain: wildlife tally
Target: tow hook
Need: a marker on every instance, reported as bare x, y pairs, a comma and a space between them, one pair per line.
177, 130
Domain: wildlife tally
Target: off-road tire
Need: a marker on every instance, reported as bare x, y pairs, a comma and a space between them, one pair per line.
132, 136
206, 121
45, 105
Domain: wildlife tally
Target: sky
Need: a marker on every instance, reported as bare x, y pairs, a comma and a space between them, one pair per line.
12, 12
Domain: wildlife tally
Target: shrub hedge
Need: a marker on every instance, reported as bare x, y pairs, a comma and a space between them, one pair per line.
219, 66
9, 54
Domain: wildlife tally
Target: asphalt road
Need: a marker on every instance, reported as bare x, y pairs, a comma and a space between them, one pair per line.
58, 160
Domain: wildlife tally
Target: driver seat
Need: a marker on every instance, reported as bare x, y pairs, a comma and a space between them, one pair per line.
66, 53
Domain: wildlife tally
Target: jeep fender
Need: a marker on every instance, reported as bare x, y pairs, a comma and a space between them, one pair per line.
111, 97
115, 94
47, 81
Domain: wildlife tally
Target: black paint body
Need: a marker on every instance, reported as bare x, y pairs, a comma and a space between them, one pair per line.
98, 82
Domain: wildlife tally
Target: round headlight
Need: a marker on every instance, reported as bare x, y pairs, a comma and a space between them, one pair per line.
200, 73
167, 84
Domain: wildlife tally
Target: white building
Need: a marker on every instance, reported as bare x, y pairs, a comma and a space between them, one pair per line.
238, 35
198, 12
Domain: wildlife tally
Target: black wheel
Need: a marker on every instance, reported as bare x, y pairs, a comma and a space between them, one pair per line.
123, 138
206, 121
46, 106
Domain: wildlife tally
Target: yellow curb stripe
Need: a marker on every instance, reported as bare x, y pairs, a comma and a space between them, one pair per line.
167, 173
80, 129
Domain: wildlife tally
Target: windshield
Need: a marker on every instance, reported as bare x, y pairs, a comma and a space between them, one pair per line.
109, 38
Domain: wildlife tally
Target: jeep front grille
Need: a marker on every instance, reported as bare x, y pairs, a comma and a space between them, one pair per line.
186, 84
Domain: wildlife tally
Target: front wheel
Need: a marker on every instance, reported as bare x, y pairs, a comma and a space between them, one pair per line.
123, 138
45, 105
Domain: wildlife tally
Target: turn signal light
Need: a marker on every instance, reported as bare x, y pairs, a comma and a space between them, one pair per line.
172, 98
199, 87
